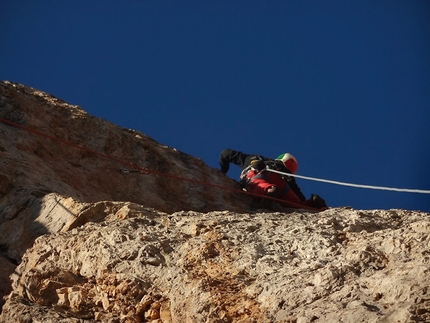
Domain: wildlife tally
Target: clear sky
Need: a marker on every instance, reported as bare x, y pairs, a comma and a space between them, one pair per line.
344, 86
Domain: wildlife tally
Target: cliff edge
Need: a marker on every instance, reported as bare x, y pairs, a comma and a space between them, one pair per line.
82, 241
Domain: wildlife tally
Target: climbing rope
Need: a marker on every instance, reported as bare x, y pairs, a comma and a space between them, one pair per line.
68, 143
353, 185
147, 170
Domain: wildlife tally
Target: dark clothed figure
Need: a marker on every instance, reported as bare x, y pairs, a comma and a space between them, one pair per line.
255, 179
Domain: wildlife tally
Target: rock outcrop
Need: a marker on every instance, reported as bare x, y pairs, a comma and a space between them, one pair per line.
83, 242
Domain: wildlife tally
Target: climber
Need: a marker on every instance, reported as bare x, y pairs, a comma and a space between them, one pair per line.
255, 179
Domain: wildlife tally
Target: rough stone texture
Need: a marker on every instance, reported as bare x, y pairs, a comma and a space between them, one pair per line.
84, 244
141, 265
75, 164
83, 164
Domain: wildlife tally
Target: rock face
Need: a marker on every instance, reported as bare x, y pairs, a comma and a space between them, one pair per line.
83, 242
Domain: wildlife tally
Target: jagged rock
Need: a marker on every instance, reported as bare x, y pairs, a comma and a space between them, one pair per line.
141, 265
83, 162
50, 146
84, 245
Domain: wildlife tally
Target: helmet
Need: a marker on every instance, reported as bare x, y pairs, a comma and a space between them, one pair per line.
289, 161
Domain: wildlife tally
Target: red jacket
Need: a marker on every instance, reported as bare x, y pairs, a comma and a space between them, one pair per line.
259, 183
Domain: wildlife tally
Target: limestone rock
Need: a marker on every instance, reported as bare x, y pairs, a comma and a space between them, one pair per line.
141, 265
82, 155
49, 146
82, 244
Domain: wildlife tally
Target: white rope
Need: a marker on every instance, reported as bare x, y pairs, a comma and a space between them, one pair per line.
353, 185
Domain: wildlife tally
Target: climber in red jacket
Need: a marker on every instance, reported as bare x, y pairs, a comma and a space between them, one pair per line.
257, 180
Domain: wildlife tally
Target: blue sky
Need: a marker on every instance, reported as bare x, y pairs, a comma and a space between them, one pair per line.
344, 86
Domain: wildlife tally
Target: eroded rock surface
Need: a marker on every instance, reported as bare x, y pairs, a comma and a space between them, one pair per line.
81, 244
83, 158
141, 265
49, 147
